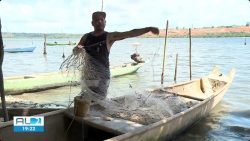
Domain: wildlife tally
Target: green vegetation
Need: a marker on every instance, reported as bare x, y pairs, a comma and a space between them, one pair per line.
227, 34
211, 35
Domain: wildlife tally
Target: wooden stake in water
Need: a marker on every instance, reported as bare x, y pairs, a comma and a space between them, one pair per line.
245, 41
190, 64
102, 6
175, 72
5, 112
63, 56
44, 48
165, 44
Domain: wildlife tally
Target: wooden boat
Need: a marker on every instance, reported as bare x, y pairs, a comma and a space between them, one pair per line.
60, 44
125, 69
43, 81
61, 125
16, 50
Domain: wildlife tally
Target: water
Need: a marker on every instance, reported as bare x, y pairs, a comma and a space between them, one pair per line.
230, 120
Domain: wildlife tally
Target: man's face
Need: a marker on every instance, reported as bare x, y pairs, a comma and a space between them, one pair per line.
99, 22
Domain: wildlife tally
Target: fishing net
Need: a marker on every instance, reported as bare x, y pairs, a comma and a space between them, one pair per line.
95, 77
144, 108
74, 62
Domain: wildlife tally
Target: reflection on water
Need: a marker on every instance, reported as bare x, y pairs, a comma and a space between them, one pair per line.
228, 121
203, 130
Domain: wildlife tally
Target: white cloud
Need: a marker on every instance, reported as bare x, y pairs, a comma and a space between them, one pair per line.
75, 16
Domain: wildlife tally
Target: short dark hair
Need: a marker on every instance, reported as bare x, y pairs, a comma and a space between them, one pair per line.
99, 13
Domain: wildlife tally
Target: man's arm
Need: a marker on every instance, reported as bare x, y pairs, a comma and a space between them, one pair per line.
115, 36
83, 39
78, 48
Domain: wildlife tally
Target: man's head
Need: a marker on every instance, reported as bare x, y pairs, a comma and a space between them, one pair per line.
98, 20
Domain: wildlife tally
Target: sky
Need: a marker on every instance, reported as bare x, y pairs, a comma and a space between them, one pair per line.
74, 16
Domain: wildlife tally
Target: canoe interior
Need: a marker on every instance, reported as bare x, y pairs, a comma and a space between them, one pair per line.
70, 128
197, 89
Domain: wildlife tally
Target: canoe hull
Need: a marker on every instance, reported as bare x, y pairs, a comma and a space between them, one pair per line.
17, 50
169, 128
40, 82
60, 44
120, 71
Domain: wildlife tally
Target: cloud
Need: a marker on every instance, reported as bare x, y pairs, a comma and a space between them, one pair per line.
75, 16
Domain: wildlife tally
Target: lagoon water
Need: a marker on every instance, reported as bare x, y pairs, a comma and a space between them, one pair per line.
230, 120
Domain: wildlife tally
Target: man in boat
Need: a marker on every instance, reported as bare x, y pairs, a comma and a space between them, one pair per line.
97, 45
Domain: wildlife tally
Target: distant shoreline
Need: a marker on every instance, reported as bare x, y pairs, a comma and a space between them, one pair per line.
207, 32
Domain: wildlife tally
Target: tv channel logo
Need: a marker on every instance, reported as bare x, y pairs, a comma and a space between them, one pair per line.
28, 124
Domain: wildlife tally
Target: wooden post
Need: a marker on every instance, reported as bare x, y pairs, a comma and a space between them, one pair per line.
165, 44
245, 41
44, 48
190, 64
63, 56
5, 112
102, 6
175, 72
81, 106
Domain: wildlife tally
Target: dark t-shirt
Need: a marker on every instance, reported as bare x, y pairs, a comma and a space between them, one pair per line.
96, 47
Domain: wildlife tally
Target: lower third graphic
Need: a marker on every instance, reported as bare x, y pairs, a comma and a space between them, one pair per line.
28, 124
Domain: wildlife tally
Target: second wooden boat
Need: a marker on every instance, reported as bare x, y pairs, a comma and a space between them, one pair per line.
44, 81
60, 44
17, 50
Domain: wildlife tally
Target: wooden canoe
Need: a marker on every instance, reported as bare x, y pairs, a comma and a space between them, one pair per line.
44, 81
208, 90
17, 50
60, 44
61, 125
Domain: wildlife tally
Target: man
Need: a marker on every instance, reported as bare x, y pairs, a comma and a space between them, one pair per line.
97, 45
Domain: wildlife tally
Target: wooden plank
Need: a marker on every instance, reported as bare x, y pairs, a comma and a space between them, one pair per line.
108, 124
190, 54
117, 125
186, 96
26, 111
2, 94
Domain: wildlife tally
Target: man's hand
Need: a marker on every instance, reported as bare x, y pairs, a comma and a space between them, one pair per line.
154, 30
78, 49
80, 46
